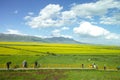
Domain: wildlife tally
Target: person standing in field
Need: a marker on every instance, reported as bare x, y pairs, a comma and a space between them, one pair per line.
82, 65
94, 65
35, 64
97, 67
24, 64
104, 67
8, 65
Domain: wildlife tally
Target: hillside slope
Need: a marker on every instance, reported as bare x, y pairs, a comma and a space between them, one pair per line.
25, 38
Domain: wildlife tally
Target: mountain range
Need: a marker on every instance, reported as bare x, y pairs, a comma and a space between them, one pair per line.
26, 38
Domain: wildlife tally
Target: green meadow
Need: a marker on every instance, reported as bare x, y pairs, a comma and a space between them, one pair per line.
59, 75
51, 55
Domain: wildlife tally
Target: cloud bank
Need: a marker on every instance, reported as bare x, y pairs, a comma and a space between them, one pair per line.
105, 12
86, 29
13, 31
53, 15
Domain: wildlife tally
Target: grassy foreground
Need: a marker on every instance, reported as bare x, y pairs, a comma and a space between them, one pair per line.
71, 61
60, 75
59, 55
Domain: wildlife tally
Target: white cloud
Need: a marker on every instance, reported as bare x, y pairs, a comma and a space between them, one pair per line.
12, 31
89, 17
57, 33
112, 36
27, 17
50, 10
65, 28
48, 17
53, 15
89, 30
114, 20
30, 13
66, 36
98, 8
68, 15
43, 36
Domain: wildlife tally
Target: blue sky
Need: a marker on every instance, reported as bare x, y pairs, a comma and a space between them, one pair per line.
89, 21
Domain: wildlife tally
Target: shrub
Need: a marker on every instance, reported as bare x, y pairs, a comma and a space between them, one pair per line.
118, 68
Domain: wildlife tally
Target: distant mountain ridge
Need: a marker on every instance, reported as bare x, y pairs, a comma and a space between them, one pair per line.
26, 38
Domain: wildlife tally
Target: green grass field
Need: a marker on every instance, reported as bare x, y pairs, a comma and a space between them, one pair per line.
59, 75
50, 55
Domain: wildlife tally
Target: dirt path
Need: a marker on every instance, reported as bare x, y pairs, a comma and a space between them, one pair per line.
2, 69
